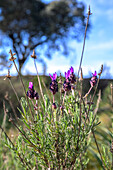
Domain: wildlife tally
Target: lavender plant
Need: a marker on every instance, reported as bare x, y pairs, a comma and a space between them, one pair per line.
56, 135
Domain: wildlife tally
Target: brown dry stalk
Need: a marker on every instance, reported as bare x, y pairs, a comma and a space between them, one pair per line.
14, 91
39, 82
13, 60
24, 89
89, 13
16, 95
4, 119
88, 92
98, 102
12, 107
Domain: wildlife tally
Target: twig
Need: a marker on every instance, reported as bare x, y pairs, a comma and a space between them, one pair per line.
4, 119
89, 13
14, 91
39, 83
88, 92
12, 107
16, 95
24, 89
98, 102
13, 60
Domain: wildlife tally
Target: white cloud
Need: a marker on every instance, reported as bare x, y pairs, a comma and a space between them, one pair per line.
101, 46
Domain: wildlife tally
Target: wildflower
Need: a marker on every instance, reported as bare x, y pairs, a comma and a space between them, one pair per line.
93, 80
53, 84
54, 76
31, 93
67, 84
67, 75
53, 88
72, 76
30, 85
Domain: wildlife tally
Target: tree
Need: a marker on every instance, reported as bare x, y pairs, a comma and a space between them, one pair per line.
26, 25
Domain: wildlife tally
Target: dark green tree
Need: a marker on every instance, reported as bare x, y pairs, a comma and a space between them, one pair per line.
33, 24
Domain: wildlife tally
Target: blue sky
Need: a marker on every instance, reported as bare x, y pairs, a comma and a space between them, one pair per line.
98, 48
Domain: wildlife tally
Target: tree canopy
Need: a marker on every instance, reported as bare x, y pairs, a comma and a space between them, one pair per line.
27, 24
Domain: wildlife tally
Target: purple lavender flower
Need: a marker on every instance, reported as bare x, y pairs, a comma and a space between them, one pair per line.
95, 74
54, 76
53, 84
72, 70
67, 85
67, 74
30, 85
72, 76
31, 93
93, 80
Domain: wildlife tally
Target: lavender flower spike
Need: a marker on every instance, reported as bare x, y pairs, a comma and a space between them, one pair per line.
93, 80
72, 70
67, 85
54, 76
72, 76
67, 74
95, 74
31, 93
53, 84
30, 85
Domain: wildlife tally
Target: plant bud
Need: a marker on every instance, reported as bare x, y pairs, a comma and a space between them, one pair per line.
54, 106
